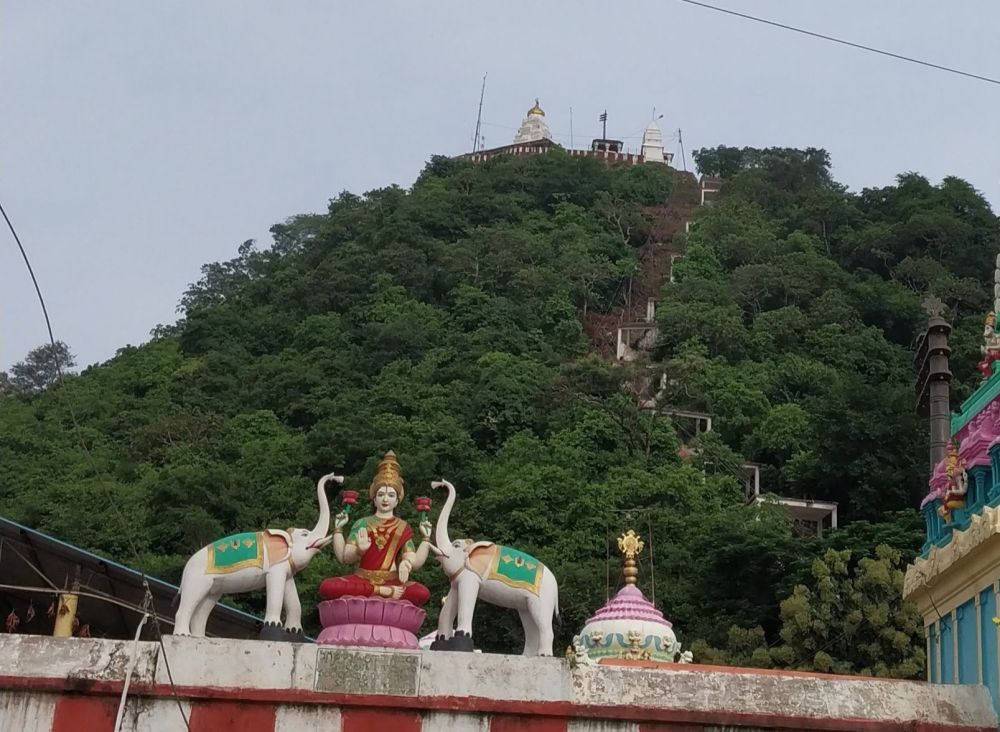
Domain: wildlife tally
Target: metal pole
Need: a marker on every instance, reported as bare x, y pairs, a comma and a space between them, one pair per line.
479, 116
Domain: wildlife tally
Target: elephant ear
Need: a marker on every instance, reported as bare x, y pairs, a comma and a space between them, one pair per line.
278, 545
478, 557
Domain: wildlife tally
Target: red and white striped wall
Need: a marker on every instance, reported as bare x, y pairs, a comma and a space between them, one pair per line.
75, 685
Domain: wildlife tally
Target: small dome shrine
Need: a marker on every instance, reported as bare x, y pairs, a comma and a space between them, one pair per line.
629, 627
533, 127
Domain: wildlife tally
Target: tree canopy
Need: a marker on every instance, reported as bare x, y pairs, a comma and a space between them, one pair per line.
444, 322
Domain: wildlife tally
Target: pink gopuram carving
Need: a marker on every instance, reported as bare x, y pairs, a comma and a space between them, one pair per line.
974, 442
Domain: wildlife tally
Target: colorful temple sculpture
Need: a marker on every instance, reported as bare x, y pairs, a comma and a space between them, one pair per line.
955, 580
500, 575
628, 630
267, 559
378, 604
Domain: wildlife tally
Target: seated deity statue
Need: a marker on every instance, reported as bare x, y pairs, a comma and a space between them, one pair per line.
382, 544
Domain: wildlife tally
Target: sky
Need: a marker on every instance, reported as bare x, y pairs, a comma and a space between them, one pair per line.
139, 141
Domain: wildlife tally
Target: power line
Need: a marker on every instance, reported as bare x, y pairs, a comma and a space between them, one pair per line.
78, 431
841, 41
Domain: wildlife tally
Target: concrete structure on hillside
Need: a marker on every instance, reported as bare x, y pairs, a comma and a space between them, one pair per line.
76, 685
955, 581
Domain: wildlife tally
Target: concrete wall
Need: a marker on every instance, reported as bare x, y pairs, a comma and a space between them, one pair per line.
252, 686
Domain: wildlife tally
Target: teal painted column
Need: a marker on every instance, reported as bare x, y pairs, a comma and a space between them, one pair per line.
967, 638
993, 492
988, 643
933, 662
947, 651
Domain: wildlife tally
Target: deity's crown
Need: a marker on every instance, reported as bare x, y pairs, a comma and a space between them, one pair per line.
387, 474
991, 318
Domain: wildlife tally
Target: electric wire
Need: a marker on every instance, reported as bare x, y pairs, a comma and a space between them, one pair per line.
833, 39
78, 431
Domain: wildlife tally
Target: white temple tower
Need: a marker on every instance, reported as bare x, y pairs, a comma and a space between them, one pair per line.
652, 145
534, 127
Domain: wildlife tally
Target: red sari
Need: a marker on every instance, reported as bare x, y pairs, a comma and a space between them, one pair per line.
389, 539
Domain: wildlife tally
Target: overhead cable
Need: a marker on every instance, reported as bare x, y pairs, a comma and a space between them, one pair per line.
843, 42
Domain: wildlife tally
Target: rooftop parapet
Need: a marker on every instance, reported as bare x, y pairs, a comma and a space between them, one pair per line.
68, 684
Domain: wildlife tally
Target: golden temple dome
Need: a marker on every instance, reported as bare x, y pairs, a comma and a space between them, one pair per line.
536, 109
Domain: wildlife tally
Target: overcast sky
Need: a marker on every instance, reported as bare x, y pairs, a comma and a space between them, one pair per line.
140, 140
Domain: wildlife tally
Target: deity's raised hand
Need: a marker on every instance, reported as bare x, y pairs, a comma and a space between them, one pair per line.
340, 521
404, 570
364, 541
425, 529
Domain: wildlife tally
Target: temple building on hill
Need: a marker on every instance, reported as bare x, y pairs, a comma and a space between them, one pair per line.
535, 138
955, 580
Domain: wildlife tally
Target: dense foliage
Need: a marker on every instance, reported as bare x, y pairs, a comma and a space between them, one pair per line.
444, 322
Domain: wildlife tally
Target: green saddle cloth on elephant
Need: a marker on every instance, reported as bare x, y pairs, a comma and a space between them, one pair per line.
236, 552
517, 569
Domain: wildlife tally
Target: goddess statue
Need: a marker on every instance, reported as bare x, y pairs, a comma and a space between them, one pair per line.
383, 543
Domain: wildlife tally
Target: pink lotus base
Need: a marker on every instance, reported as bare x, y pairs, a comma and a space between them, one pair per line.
370, 621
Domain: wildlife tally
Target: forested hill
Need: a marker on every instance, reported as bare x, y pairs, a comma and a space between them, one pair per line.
444, 322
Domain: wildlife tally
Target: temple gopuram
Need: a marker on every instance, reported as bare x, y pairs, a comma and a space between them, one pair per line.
955, 580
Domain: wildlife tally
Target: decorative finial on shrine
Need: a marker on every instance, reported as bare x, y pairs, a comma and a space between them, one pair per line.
629, 544
933, 306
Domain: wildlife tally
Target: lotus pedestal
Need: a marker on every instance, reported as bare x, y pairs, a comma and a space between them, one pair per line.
370, 621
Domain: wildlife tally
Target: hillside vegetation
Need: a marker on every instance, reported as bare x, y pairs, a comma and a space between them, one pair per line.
444, 322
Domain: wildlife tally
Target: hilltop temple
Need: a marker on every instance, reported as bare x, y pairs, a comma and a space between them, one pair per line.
535, 138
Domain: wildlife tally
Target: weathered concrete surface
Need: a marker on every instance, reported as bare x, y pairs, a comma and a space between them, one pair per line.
83, 659
277, 686
514, 678
227, 663
20, 709
781, 694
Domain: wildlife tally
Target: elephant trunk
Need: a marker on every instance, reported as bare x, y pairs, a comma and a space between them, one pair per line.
323, 524
441, 532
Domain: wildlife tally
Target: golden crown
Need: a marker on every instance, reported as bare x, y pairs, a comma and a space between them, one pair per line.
387, 474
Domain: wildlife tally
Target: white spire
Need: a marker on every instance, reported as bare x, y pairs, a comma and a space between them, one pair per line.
652, 144
534, 127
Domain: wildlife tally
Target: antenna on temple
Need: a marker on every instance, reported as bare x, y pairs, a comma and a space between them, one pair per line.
680, 140
479, 115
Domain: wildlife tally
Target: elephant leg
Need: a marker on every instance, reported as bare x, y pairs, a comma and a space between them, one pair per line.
541, 615
446, 620
468, 592
530, 633
293, 607
193, 591
200, 618
275, 587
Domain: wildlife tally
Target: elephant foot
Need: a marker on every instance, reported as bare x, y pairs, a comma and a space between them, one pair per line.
440, 643
461, 642
295, 636
273, 632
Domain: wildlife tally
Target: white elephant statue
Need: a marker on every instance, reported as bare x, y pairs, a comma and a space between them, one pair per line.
499, 575
249, 561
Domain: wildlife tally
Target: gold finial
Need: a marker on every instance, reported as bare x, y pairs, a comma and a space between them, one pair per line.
536, 109
387, 474
629, 544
